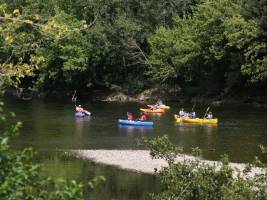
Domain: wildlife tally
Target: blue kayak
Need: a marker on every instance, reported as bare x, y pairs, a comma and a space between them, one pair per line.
80, 114
83, 114
135, 123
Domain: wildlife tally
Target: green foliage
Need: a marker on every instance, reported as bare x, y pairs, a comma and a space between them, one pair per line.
161, 147
111, 48
197, 152
193, 179
64, 53
32, 43
216, 44
19, 175
209, 46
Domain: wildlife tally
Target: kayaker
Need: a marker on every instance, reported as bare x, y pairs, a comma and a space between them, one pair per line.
143, 117
130, 116
154, 107
181, 113
209, 116
159, 102
192, 115
80, 109
186, 114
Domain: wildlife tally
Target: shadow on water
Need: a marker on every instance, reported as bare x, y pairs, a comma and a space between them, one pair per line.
120, 184
133, 131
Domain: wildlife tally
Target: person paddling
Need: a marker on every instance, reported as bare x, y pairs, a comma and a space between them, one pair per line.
130, 116
143, 117
209, 116
181, 113
80, 109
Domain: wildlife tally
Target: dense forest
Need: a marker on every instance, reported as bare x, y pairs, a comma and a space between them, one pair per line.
206, 47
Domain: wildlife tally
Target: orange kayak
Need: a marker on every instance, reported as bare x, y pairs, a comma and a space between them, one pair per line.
160, 106
152, 111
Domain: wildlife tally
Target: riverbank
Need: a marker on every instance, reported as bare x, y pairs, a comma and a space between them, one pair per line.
147, 96
141, 161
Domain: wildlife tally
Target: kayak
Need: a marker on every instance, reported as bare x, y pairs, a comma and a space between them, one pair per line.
135, 123
196, 120
82, 114
178, 119
152, 111
161, 106
200, 121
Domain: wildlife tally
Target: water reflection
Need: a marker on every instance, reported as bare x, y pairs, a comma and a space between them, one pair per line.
80, 123
119, 185
154, 116
208, 128
239, 130
133, 130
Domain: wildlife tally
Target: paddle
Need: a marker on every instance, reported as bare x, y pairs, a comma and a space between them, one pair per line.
193, 107
74, 98
206, 112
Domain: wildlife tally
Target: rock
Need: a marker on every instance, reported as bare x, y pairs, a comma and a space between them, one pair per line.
148, 95
216, 103
119, 97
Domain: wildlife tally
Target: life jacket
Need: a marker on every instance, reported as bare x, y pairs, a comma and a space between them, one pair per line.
143, 118
209, 116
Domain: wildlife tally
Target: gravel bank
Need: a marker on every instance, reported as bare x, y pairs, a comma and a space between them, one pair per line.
141, 161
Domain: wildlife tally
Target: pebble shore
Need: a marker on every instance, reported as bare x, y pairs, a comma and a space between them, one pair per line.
141, 161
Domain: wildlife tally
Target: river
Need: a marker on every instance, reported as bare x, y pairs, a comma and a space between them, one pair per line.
49, 126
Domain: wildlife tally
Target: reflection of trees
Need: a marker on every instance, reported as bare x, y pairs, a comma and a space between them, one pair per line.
130, 130
79, 124
197, 135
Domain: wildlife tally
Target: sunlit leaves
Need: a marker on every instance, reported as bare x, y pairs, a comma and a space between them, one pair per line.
8, 39
25, 35
16, 13
240, 32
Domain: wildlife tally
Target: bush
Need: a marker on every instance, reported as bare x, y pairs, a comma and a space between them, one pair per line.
193, 179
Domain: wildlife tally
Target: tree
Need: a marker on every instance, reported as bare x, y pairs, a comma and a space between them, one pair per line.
257, 55
216, 45
30, 43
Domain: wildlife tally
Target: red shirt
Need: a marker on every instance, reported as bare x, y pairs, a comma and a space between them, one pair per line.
143, 118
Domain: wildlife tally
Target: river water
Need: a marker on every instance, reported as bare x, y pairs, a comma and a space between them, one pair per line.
50, 127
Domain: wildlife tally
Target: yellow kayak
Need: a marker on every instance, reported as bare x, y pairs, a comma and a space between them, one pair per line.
200, 121
196, 120
178, 119
152, 111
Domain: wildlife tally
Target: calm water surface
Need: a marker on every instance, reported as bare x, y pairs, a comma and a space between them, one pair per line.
49, 126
